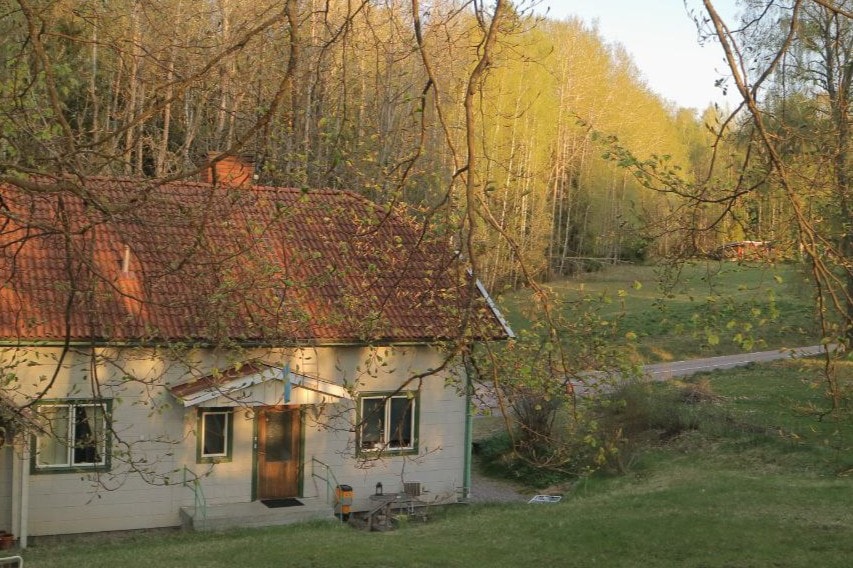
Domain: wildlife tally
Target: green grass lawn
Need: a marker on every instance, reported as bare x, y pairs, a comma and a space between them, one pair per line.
708, 308
760, 481
686, 514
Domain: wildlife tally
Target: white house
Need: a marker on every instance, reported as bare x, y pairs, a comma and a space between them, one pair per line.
184, 352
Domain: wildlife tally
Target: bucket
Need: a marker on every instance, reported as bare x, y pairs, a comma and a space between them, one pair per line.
7, 541
343, 501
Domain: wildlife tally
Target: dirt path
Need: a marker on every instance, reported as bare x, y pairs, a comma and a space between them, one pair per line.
488, 490
664, 371
487, 402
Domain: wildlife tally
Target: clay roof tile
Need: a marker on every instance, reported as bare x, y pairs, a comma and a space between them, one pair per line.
132, 260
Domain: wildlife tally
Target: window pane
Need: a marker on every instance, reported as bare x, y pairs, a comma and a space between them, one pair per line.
279, 433
400, 434
373, 422
214, 434
52, 447
89, 430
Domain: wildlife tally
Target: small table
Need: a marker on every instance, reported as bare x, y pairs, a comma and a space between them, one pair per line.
383, 505
394, 500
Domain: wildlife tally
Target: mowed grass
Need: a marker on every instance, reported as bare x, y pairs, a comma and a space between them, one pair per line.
704, 309
760, 481
692, 514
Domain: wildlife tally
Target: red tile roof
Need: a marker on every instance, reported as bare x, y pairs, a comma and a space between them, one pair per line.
131, 260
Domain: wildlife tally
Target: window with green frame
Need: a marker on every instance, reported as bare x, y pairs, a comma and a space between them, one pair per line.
75, 436
215, 434
388, 423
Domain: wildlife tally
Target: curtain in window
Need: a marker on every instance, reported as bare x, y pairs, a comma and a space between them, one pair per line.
373, 422
53, 447
400, 435
214, 434
86, 435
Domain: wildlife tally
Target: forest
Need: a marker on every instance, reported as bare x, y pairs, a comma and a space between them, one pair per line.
368, 97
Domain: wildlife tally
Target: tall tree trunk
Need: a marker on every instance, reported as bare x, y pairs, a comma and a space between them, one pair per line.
133, 89
163, 150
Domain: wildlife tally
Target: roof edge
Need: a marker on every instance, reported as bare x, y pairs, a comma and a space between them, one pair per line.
31, 342
510, 334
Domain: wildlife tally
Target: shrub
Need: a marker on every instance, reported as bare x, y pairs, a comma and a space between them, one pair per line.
640, 413
499, 458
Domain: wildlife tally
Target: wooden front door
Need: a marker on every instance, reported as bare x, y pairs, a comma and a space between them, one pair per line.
278, 453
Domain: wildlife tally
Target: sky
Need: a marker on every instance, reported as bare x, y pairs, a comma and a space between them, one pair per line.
663, 42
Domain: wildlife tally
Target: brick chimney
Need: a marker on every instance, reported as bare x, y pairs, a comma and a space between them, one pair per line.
230, 171
129, 285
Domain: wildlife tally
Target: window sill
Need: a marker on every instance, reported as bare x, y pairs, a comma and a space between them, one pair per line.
72, 469
214, 461
387, 452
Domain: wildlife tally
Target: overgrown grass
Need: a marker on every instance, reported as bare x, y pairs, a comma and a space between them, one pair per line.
708, 308
495, 458
757, 476
776, 413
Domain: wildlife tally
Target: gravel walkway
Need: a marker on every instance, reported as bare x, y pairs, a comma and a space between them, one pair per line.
487, 490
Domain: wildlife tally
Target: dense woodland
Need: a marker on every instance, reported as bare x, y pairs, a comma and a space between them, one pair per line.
338, 95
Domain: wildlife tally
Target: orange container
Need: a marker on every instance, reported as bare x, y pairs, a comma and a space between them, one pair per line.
343, 501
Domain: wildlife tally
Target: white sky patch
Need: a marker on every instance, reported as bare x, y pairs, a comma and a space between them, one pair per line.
663, 42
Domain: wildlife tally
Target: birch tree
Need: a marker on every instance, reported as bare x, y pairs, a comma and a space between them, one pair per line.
790, 63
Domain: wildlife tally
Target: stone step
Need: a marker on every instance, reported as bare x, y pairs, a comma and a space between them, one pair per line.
254, 514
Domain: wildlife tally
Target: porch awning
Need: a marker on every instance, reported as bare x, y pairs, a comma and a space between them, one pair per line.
255, 385
318, 385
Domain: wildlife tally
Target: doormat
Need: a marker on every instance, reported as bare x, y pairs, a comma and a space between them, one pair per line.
276, 503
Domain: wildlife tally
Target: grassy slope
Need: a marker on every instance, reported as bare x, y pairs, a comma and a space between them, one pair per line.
684, 515
681, 516
712, 308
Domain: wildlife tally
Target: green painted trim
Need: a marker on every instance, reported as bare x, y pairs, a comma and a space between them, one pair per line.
469, 433
229, 449
108, 418
300, 468
391, 452
254, 493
